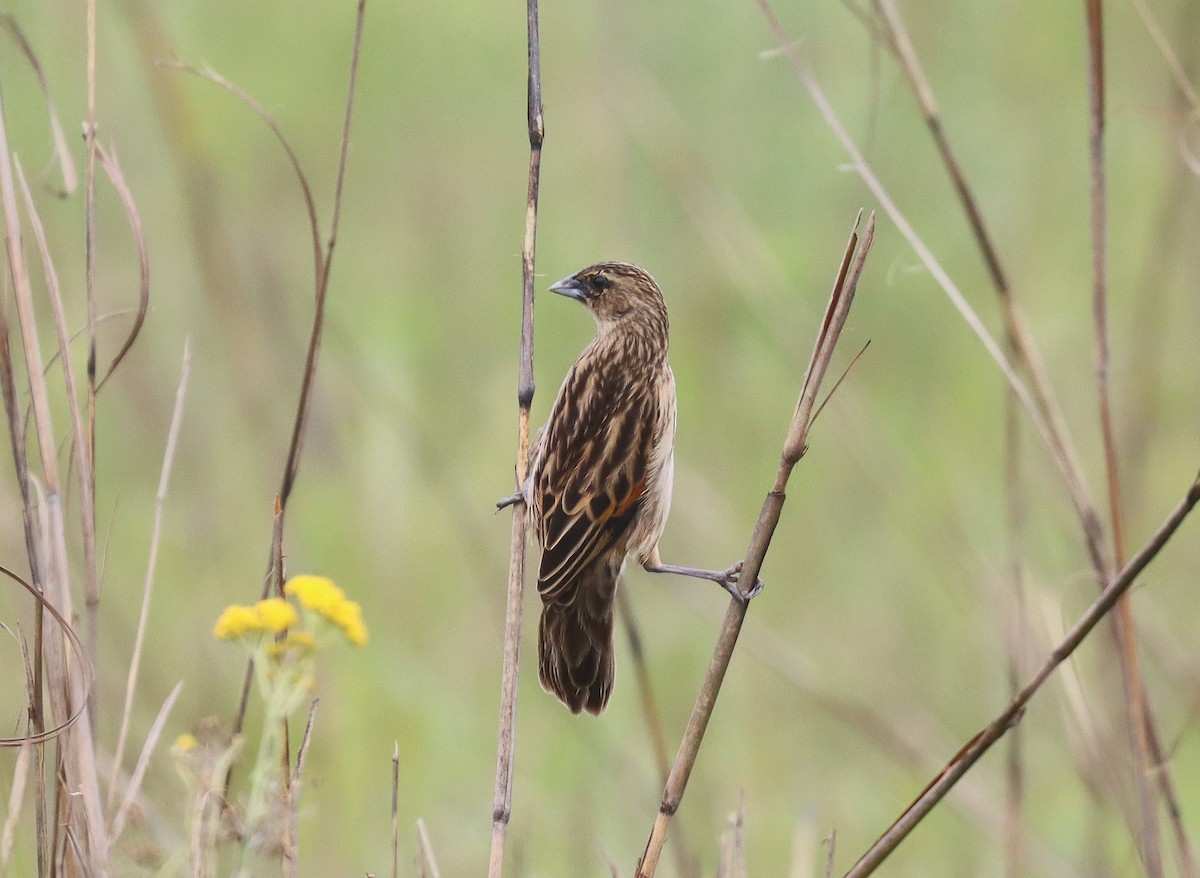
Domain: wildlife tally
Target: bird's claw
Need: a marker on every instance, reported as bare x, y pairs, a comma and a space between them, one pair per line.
729, 581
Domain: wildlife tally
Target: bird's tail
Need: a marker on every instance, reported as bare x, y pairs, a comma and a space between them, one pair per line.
575, 643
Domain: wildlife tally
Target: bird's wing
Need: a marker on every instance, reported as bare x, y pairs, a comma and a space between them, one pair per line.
593, 470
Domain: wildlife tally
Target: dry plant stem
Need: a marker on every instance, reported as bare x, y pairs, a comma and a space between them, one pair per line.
322, 261
395, 809
1025, 353
61, 152
143, 763
37, 574
160, 500
1135, 695
831, 849
686, 863
1040, 413
425, 850
92, 596
1015, 641
1179, 74
981, 742
506, 737
15, 797
794, 447
66, 684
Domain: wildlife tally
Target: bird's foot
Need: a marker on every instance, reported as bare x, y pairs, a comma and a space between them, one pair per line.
729, 581
510, 500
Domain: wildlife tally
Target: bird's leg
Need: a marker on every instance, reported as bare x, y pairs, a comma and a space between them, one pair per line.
727, 579
510, 500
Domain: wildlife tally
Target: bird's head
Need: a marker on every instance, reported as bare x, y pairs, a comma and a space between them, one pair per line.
618, 294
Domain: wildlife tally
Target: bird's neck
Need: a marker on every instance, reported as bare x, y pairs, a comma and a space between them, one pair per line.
645, 336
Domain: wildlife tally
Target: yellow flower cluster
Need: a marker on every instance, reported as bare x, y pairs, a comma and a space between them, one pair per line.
276, 615
272, 615
320, 595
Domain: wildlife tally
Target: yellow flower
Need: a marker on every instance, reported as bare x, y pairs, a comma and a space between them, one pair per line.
348, 616
236, 621
184, 743
317, 593
276, 614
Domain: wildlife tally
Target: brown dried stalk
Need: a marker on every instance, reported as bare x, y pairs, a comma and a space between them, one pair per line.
1135, 694
686, 864
505, 739
322, 262
794, 447
395, 809
151, 565
1025, 354
68, 688
1011, 715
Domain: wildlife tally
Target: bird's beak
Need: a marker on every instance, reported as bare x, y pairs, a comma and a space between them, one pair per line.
569, 287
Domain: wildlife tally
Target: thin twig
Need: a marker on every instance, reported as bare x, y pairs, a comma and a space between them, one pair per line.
92, 586
1024, 352
1179, 75
830, 850
425, 850
160, 500
139, 771
305, 740
686, 863
794, 447
1015, 641
506, 737
981, 742
395, 809
322, 261
1135, 694
61, 152
1042, 408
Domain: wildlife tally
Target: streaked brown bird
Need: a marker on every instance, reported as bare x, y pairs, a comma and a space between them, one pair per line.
600, 478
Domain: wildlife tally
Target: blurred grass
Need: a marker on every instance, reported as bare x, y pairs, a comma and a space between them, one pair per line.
672, 143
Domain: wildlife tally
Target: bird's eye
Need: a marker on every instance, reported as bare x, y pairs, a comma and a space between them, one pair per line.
601, 282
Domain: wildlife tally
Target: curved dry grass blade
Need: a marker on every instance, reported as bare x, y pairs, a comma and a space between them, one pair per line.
160, 500
113, 171
61, 152
971, 752
842, 297
139, 771
76, 645
310, 206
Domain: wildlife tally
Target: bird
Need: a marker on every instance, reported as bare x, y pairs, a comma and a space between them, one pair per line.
600, 480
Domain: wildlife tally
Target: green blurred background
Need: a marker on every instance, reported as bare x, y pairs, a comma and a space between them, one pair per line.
672, 141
